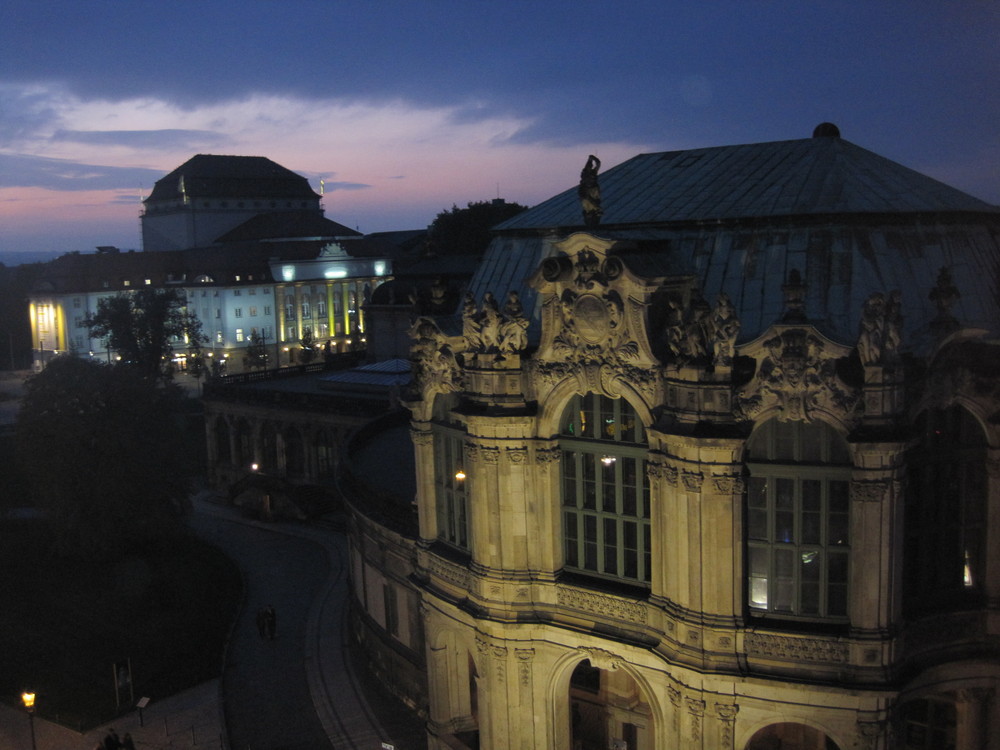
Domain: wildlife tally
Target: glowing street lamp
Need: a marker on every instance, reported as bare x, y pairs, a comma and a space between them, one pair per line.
29, 705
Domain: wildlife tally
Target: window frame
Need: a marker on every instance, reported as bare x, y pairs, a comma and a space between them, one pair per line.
604, 491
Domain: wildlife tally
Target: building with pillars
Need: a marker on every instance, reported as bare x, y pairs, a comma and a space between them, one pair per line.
246, 242
713, 465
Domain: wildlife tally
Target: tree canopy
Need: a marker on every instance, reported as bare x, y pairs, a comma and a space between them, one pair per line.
142, 325
104, 453
466, 231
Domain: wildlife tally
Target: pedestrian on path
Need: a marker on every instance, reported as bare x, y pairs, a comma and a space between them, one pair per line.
272, 622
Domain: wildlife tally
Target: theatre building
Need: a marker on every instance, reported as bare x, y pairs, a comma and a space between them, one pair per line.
710, 458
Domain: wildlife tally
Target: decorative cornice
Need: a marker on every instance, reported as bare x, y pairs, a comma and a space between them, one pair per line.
796, 649
602, 604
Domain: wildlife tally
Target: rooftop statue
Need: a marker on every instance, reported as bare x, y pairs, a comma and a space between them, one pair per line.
590, 192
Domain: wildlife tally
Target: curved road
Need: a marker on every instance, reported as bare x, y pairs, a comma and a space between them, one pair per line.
300, 691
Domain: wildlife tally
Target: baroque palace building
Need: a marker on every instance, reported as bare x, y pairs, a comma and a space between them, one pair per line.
714, 463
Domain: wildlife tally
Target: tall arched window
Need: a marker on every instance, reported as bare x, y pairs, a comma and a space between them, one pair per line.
945, 512
605, 489
798, 521
449, 483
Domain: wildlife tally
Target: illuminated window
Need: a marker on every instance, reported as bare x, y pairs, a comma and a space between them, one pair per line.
321, 309
449, 481
798, 521
605, 489
253, 312
239, 335
126, 283
148, 282
944, 557
305, 309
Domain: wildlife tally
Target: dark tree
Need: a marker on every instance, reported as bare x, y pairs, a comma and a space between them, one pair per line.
308, 343
104, 452
466, 231
142, 326
256, 353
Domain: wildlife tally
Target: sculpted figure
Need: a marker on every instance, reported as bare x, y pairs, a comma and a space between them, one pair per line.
871, 332
892, 336
590, 192
514, 329
945, 293
725, 328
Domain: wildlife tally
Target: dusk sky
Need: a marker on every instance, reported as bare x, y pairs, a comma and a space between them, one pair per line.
406, 108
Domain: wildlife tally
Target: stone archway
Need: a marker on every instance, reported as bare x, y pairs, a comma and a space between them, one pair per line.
606, 706
790, 736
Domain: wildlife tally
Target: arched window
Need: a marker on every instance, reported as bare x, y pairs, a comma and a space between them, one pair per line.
945, 512
449, 484
605, 489
798, 521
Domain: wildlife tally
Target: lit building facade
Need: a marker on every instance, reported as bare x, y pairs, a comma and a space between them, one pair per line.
719, 472
246, 243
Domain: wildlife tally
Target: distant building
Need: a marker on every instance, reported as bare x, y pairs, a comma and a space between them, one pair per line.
209, 195
722, 473
246, 241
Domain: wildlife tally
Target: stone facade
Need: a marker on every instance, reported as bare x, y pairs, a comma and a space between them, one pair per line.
766, 590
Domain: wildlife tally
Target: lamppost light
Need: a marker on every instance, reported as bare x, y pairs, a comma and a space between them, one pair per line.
29, 700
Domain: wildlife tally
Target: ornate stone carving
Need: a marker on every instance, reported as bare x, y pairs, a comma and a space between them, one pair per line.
869, 492
881, 329
727, 716
452, 573
489, 454
692, 480
487, 331
797, 378
524, 658
517, 455
472, 454
422, 437
655, 469
696, 708
601, 658
435, 368
796, 649
602, 604
728, 484
547, 456
944, 294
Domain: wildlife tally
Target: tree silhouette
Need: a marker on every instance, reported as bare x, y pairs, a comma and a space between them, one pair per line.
142, 326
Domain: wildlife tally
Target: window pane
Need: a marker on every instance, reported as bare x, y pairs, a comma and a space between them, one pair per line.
610, 546
571, 535
590, 542
784, 582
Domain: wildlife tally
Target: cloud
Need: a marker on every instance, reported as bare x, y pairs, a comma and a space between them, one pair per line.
25, 171
169, 138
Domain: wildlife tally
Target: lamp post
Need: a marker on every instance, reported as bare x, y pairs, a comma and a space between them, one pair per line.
29, 705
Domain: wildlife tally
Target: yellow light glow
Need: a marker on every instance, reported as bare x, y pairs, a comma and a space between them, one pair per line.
29, 700
460, 475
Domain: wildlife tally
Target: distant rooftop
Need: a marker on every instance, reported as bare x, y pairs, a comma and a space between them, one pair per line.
215, 176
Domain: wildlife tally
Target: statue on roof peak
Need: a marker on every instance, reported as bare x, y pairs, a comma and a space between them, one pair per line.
590, 192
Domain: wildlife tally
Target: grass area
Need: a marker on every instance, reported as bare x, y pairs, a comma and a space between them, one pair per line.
64, 622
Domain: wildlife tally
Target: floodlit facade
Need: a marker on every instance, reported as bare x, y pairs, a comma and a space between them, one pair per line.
246, 242
719, 471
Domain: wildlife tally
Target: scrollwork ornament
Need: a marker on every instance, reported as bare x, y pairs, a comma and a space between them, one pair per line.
546, 456
729, 485
517, 455
490, 455
422, 437
692, 480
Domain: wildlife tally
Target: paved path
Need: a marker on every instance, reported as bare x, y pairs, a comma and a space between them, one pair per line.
306, 690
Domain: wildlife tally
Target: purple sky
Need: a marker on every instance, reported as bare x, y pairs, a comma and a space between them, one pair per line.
407, 108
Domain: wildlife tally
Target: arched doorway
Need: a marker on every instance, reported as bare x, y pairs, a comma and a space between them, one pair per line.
608, 706
790, 736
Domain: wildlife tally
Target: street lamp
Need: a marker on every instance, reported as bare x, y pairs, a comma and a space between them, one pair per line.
29, 705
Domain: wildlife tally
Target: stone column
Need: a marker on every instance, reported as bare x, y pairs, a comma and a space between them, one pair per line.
423, 449
972, 710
